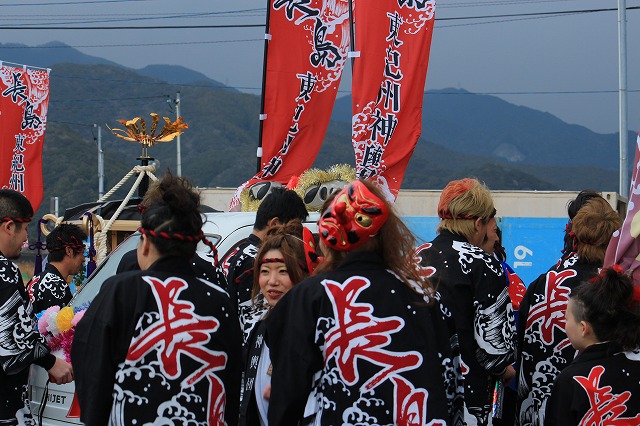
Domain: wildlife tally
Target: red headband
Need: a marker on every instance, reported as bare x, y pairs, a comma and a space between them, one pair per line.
16, 219
447, 215
271, 260
181, 237
74, 244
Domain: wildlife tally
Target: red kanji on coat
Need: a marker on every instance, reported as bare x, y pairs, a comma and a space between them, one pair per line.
358, 334
606, 407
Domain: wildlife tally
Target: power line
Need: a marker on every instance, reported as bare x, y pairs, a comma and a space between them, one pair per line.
70, 123
75, 3
229, 88
125, 27
62, 101
65, 46
214, 26
129, 18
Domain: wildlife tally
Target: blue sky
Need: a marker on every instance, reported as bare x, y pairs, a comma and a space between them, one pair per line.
563, 64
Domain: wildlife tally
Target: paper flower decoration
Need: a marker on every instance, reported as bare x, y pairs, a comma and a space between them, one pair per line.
63, 319
57, 325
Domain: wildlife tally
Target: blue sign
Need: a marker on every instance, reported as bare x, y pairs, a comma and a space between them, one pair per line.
532, 244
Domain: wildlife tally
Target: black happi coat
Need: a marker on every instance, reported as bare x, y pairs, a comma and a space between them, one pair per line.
203, 265
545, 349
159, 345
20, 346
474, 288
358, 346
49, 288
600, 387
239, 269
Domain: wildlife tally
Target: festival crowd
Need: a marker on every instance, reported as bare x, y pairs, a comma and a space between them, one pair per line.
359, 326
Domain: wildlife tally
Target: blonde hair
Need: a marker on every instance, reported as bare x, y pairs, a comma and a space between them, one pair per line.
593, 226
461, 203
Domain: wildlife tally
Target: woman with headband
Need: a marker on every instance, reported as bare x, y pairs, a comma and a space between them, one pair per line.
160, 345
280, 265
365, 340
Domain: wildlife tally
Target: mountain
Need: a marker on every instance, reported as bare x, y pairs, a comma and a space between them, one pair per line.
47, 55
509, 147
490, 127
55, 52
176, 74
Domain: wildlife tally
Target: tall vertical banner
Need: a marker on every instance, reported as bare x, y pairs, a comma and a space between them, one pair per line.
24, 100
307, 50
624, 246
394, 40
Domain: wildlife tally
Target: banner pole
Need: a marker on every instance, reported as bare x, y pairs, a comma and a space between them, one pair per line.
267, 37
352, 35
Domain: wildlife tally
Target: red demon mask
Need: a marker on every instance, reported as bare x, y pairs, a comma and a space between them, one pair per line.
310, 252
354, 216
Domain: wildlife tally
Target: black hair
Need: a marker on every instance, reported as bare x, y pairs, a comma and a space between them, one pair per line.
14, 206
498, 250
581, 199
611, 304
64, 235
573, 207
171, 216
280, 203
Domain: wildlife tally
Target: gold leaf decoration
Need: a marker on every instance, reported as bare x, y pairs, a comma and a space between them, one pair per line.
134, 133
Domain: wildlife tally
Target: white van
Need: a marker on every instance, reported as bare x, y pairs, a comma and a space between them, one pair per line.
223, 229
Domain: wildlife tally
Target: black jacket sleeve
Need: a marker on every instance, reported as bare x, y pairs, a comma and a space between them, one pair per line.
20, 343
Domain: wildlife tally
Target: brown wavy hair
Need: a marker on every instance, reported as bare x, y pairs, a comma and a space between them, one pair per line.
593, 226
394, 243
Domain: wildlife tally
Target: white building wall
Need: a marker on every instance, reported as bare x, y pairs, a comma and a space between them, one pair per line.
417, 202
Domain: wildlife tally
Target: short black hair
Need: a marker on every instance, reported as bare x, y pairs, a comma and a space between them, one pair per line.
608, 303
63, 235
14, 206
280, 203
581, 199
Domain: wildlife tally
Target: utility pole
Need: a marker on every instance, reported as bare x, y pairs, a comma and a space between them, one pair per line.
100, 162
178, 153
622, 96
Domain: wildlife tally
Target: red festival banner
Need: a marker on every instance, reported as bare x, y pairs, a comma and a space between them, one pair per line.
624, 246
24, 99
306, 53
394, 40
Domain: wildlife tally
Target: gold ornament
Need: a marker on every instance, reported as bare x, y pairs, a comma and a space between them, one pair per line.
134, 133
